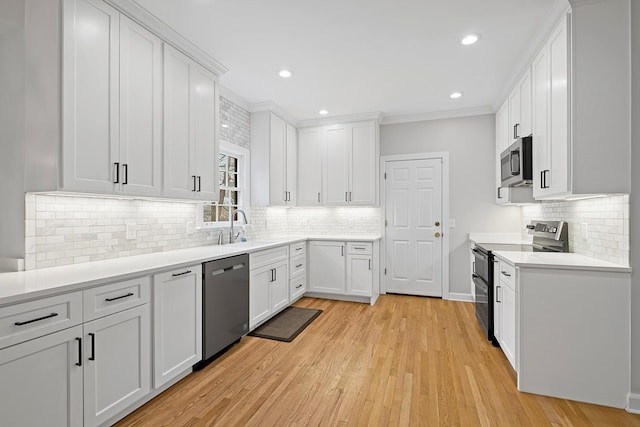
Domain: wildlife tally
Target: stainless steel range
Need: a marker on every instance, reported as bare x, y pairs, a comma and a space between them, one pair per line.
548, 236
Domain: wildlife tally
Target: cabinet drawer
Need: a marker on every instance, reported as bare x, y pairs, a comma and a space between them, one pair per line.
22, 322
297, 286
299, 248
359, 248
269, 256
109, 299
298, 265
507, 274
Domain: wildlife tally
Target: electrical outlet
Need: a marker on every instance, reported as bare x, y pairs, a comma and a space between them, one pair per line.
191, 227
131, 231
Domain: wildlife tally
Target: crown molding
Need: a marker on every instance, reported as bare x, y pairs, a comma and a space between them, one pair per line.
334, 120
276, 109
234, 97
438, 115
548, 23
151, 22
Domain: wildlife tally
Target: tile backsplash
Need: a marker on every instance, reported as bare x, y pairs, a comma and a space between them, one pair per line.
63, 230
606, 219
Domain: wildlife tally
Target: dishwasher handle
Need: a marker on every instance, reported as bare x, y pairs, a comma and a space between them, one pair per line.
226, 269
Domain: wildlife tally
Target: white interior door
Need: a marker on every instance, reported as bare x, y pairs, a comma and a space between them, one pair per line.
413, 235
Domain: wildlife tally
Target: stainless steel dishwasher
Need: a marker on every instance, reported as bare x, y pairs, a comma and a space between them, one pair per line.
225, 304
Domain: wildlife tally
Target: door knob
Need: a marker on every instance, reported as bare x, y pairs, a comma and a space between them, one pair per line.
437, 223
437, 234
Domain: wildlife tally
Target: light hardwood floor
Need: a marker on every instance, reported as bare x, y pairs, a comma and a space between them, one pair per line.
405, 361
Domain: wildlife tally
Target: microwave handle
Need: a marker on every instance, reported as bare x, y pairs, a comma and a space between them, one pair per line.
511, 157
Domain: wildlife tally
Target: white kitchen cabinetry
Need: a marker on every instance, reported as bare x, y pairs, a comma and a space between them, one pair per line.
112, 91
268, 284
504, 132
574, 153
347, 270
349, 169
177, 322
298, 268
310, 148
117, 363
190, 128
505, 310
520, 108
46, 372
273, 164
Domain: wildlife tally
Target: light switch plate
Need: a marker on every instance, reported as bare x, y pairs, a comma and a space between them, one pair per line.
452, 223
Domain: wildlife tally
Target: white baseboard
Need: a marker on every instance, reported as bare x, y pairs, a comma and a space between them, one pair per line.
633, 403
453, 296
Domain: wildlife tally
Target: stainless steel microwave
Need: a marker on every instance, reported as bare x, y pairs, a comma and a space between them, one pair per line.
516, 164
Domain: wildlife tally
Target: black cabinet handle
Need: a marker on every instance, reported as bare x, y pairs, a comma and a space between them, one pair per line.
318, 197
342, 250
298, 265
48, 316
499, 195
181, 274
299, 286
193, 177
498, 294
362, 248
130, 294
79, 362
369, 263
199, 183
116, 167
298, 249
125, 169
93, 346
505, 273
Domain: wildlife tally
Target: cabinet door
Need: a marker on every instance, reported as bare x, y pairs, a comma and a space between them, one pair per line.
363, 164
497, 306
557, 178
310, 166
178, 179
502, 142
524, 129
540, 88
279, 295
90, 96
259, 297
140, 109
359, 275
291, 157
177, 322
42, 382
514, 112
327, 267
277, 161
116, 363
336, 166
204, 126
508, 318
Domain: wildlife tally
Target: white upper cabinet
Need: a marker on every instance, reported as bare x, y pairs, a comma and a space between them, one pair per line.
273, 164
348, 171
581, 133
112, 92
310, 143
520, 108
190, 128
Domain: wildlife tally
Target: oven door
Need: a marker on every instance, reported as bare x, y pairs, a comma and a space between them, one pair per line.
482, 304
481, 265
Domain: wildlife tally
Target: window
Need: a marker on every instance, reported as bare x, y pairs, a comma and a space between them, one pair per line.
233, 163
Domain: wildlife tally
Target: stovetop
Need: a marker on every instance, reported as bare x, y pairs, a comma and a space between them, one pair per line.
514, 247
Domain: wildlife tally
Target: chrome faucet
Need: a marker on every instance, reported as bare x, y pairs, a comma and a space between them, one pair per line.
233, 237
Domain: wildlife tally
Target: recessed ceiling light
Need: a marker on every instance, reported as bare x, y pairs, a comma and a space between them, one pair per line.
455, 95
285, 74
470, 39
323, 112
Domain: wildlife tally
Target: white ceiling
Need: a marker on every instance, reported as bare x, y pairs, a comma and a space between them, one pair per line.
397, 57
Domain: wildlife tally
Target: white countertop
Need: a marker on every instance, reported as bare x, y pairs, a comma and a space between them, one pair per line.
568, 261
24, 285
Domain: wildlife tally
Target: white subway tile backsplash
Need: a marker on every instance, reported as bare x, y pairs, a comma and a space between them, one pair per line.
607, 220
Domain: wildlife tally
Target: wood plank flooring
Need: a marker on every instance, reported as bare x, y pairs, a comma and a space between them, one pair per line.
405, 361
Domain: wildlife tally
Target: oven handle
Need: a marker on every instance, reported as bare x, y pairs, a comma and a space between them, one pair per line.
479, 253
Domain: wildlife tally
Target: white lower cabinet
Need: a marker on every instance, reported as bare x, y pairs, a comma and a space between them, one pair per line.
359, 275
177, 322
505, 310
46, 372
268, 284
116, 363
327, 267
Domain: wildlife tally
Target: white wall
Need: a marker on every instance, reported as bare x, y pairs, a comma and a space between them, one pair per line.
635, 200
470, 142
12, 88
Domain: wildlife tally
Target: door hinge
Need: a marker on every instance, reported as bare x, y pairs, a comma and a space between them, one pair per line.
385, 175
